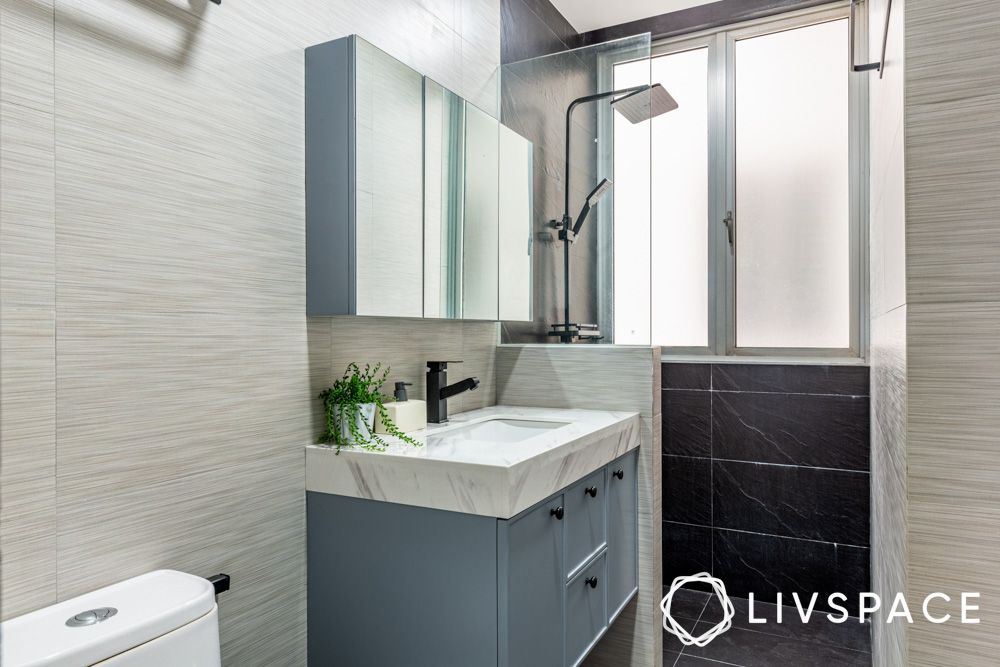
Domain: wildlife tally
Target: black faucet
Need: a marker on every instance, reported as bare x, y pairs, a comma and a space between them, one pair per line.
438, 391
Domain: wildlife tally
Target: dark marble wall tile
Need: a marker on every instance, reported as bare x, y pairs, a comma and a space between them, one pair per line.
532, 28
687, 422
687, 550
792, 501
687, 490
791, 378
686, 376
765, 565
794, 429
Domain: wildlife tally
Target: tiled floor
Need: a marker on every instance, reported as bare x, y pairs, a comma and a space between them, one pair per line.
818, 643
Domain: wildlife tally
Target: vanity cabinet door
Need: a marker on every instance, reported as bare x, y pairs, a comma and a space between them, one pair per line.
586, 619
533, 582
622, 532
585, 511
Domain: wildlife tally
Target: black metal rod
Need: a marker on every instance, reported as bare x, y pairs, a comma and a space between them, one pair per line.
566, 220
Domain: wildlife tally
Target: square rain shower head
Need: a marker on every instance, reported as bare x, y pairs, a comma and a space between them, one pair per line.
645, 104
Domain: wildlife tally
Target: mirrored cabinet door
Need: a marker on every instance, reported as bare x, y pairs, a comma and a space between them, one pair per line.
480, 261
444, 200
515, 212
389, 186
418, 204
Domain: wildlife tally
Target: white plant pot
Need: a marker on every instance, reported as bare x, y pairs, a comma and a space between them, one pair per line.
365, 421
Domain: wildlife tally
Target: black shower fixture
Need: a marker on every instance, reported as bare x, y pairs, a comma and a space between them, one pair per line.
635, 104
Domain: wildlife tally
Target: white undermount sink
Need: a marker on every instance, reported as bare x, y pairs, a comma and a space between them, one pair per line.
494, 431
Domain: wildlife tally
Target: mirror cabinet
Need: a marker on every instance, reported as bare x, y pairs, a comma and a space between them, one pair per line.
418, 203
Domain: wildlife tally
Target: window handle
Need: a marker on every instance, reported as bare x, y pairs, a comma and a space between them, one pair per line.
730, 228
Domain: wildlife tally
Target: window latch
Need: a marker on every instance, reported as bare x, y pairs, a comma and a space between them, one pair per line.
730, 229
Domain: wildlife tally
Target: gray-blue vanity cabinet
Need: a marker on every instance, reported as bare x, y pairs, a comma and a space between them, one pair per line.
393, 584
623, 535
530, 582
585, 520
586, 610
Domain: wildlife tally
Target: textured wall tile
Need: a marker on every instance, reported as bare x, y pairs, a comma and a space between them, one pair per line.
27, 207
951, 176
951, 50
794, 429
791, 501
953, 466
182, 340
889, 544
791, 379
28, 516
26, 58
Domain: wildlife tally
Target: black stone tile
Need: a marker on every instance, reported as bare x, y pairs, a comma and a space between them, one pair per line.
851, 635
794, 429
686, 376
524, 34
687, 550
791, 501
687, 422
791, 378
687, 603
765, 565
687, 490
754, 649
691, 661
554, 19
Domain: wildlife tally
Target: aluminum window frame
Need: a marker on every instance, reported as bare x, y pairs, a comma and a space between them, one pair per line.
721, 43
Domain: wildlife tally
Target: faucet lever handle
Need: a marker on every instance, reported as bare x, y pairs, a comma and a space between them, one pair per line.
441, 365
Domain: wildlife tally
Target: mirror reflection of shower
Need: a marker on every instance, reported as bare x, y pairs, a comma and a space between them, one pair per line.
636, 104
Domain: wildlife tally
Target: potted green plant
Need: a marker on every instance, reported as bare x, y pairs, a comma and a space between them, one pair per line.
350, 406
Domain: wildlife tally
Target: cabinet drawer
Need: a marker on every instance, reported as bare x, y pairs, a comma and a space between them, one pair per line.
586, 617
586, 507
622, 532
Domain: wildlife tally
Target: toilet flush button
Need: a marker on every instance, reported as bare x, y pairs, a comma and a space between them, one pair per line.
91, 616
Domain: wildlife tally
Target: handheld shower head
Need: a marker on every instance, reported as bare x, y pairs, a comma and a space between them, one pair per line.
603, 188
645, 103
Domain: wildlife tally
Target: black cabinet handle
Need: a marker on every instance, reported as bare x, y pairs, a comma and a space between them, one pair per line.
591, 581
557, 512
591, 491
620, 474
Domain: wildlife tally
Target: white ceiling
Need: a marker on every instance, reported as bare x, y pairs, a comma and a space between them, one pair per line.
586, 15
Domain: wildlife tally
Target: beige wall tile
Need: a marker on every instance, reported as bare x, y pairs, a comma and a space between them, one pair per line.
187, 370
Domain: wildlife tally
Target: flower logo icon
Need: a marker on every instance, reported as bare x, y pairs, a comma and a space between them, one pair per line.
676, 629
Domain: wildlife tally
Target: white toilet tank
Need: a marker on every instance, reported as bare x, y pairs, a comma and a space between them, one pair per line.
159, 619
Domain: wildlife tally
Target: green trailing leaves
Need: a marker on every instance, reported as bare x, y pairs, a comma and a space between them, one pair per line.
342, 404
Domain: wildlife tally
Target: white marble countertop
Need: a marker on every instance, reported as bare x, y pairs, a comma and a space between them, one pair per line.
498, 479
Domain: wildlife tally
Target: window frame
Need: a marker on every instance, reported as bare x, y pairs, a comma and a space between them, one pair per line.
721, 44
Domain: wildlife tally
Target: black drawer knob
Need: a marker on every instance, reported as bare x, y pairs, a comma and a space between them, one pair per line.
557, 512
620, 474
591, 491
591, 581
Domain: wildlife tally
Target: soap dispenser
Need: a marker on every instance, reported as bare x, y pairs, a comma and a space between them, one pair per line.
407, 415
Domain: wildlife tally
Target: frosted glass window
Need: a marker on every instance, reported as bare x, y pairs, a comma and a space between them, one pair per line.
679, 234
631, 216
792, 189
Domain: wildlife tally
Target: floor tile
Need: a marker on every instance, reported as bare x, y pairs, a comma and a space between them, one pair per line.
687, 603
755, 649
850, 635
